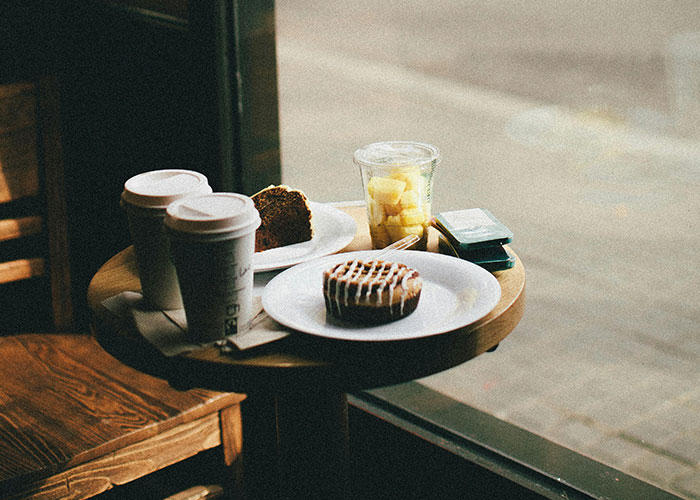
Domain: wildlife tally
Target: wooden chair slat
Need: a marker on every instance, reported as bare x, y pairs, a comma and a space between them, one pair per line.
21, 269
21, 227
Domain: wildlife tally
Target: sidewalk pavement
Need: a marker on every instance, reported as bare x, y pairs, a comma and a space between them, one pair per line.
607, 357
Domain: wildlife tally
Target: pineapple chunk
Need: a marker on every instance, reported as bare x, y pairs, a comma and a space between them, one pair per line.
398, 232
411, 176
396, 206
392, 209
380, 236
412, 216
393, 220
384, 190
420, 185
409, 199
375, 212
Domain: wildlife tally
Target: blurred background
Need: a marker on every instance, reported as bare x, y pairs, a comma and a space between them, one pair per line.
578, 125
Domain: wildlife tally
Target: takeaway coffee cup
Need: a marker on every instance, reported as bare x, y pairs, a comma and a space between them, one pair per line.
212, 240
146, 198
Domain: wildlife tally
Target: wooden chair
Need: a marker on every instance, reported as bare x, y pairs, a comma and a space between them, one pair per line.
74, 422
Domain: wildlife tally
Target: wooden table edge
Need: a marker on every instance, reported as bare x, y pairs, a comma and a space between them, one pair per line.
492, 329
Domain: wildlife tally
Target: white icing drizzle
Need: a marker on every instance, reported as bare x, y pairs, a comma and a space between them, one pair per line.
363, 281
377, 275
404, 284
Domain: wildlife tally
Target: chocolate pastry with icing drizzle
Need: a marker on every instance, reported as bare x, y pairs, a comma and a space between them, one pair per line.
371, 292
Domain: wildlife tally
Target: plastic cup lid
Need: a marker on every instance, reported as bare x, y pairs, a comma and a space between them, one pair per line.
397, 154
159, 188
213, 213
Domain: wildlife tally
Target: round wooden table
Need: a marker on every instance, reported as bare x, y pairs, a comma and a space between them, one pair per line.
304, 378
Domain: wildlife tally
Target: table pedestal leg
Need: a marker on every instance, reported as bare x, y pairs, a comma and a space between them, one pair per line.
260, 455
312, 431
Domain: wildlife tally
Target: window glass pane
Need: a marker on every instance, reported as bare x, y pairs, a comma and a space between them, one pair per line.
578, 125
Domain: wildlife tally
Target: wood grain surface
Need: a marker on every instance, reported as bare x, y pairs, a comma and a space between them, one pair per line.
71, 412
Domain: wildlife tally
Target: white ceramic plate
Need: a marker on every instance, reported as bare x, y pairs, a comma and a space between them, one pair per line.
455, 293
333, 231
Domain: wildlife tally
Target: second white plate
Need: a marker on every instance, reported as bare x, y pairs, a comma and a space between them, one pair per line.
333, 231
455, 294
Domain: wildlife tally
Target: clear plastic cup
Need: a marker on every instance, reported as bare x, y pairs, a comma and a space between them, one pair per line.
397, 178
212, 240
145, 198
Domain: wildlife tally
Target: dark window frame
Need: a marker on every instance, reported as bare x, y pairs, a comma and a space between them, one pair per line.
236, 44
532, 461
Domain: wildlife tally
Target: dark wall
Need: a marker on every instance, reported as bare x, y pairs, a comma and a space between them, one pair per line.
141, 91
131, 102
26, 45
389, 463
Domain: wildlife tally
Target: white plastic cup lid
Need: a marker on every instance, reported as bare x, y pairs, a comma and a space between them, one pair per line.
213, 214
159, 188
397, 154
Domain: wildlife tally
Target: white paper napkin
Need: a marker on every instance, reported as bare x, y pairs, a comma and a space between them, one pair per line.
167, 330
